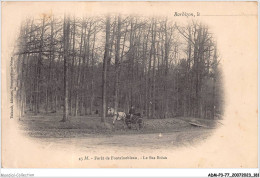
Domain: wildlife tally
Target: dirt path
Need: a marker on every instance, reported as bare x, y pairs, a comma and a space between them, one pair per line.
152, 141
84, 133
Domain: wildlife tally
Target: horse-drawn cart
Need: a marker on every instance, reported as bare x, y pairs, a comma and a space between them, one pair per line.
136, 120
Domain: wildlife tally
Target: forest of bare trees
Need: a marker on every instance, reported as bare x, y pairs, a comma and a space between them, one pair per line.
81, 66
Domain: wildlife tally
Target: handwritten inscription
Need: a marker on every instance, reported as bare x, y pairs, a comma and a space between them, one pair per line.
186, 14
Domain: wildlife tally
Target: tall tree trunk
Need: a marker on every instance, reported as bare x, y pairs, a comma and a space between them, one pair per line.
83, 67
66, 33
47, 92
87, 51
104, 76
78, 85
92, 73
121, 60
146, 71
214, 85
72, 67
38, 70
153, 72
117, 57
166, 59
131, 63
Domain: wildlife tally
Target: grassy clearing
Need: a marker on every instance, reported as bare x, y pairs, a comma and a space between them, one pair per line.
49, 126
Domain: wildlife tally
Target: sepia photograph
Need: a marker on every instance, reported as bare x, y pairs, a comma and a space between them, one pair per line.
129, 85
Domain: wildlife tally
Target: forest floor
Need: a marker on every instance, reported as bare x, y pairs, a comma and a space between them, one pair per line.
173, 131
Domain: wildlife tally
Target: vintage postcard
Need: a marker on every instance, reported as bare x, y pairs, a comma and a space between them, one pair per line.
129, 85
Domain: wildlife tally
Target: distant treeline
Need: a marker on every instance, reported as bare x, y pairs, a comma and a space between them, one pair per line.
83, 65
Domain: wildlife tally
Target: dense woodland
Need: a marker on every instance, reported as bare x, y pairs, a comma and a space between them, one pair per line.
82, 65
